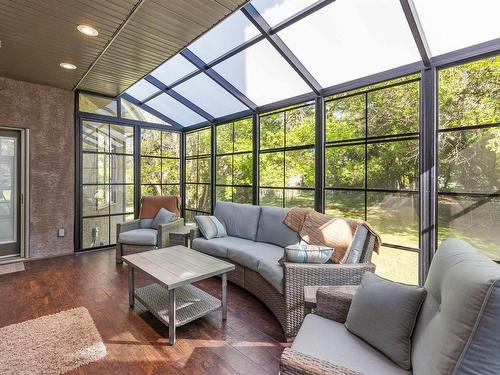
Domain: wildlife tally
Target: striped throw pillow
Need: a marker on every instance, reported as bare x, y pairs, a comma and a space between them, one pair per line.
210, 227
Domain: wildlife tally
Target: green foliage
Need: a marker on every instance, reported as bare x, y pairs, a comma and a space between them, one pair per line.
272, 131
345, 166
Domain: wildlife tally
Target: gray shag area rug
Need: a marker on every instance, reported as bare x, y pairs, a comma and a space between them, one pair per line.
52, 344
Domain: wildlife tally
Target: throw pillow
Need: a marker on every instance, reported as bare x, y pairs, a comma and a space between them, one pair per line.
337, 233
307, 254
163, 216
383, 313
210, 227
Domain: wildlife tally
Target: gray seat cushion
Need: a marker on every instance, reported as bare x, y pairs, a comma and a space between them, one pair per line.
143, 236
331, 341
218, 246
272, 230
272, 271
250, 253
458, 327
240, 220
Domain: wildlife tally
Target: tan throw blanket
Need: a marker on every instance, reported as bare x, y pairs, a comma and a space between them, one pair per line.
320, 229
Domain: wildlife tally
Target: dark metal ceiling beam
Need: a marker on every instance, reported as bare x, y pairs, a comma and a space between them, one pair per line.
174, 94
174, 124
416, 30
261, 24
221, 81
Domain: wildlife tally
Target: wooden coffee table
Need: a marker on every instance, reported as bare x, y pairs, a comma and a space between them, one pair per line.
172, 299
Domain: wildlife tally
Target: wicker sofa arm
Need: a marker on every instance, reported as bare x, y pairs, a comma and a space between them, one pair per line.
126, 226
165, 229
297, 363
195, 233
299, 275
333, 302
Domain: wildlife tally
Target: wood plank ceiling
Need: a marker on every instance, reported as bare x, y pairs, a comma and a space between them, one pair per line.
135, 36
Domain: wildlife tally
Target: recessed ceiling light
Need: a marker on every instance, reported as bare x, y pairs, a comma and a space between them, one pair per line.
66, 65
87, 30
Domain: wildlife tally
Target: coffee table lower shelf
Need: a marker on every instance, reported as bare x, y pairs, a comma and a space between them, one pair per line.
191, 303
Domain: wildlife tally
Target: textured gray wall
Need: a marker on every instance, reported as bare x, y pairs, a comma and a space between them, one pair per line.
49, 114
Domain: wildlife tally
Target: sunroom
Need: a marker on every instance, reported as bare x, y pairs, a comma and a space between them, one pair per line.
302, 186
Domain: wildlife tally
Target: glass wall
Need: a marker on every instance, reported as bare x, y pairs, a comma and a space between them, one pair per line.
286, 164
234, 161
469, 154
198, 173
372, 168
107, 191
160, 162
112, 171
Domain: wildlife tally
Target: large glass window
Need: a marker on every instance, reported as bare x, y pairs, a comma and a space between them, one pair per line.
198, 173
372, 159
234, 161
469, 155
160, 162
287, 158
107, 192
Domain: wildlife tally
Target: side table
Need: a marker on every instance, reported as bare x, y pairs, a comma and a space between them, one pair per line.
310, 294
181, 236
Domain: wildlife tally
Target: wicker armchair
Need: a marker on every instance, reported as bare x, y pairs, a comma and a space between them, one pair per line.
159, 237
450, 336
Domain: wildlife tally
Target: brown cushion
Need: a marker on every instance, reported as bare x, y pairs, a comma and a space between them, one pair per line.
320, 229
150, 205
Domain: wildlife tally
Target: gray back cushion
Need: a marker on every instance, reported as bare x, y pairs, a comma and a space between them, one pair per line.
272, 230
383, 313
358, 245
458, 331
146, 223
240, 220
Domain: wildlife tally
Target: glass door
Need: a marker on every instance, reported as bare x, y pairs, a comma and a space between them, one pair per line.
10, 193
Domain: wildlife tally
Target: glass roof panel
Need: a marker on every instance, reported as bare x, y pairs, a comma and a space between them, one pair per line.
261, 74
276, 11
208, 95
230, 33
347, 40
453, 24
173, 69
175, 110
141, 90
134, 112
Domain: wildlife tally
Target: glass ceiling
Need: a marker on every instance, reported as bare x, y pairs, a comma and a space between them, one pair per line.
252, 58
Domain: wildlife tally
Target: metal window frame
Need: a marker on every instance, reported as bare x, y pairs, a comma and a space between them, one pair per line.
137, 126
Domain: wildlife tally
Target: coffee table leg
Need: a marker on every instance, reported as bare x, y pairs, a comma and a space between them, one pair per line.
131, 286
224, 296
171, 317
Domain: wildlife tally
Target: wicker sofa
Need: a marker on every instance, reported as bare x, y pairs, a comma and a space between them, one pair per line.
456, 331
255, 242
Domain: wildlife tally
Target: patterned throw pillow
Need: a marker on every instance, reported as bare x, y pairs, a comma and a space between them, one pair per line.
307, 254
210, 227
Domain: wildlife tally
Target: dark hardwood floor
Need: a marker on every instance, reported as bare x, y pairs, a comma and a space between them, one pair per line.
249, 342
